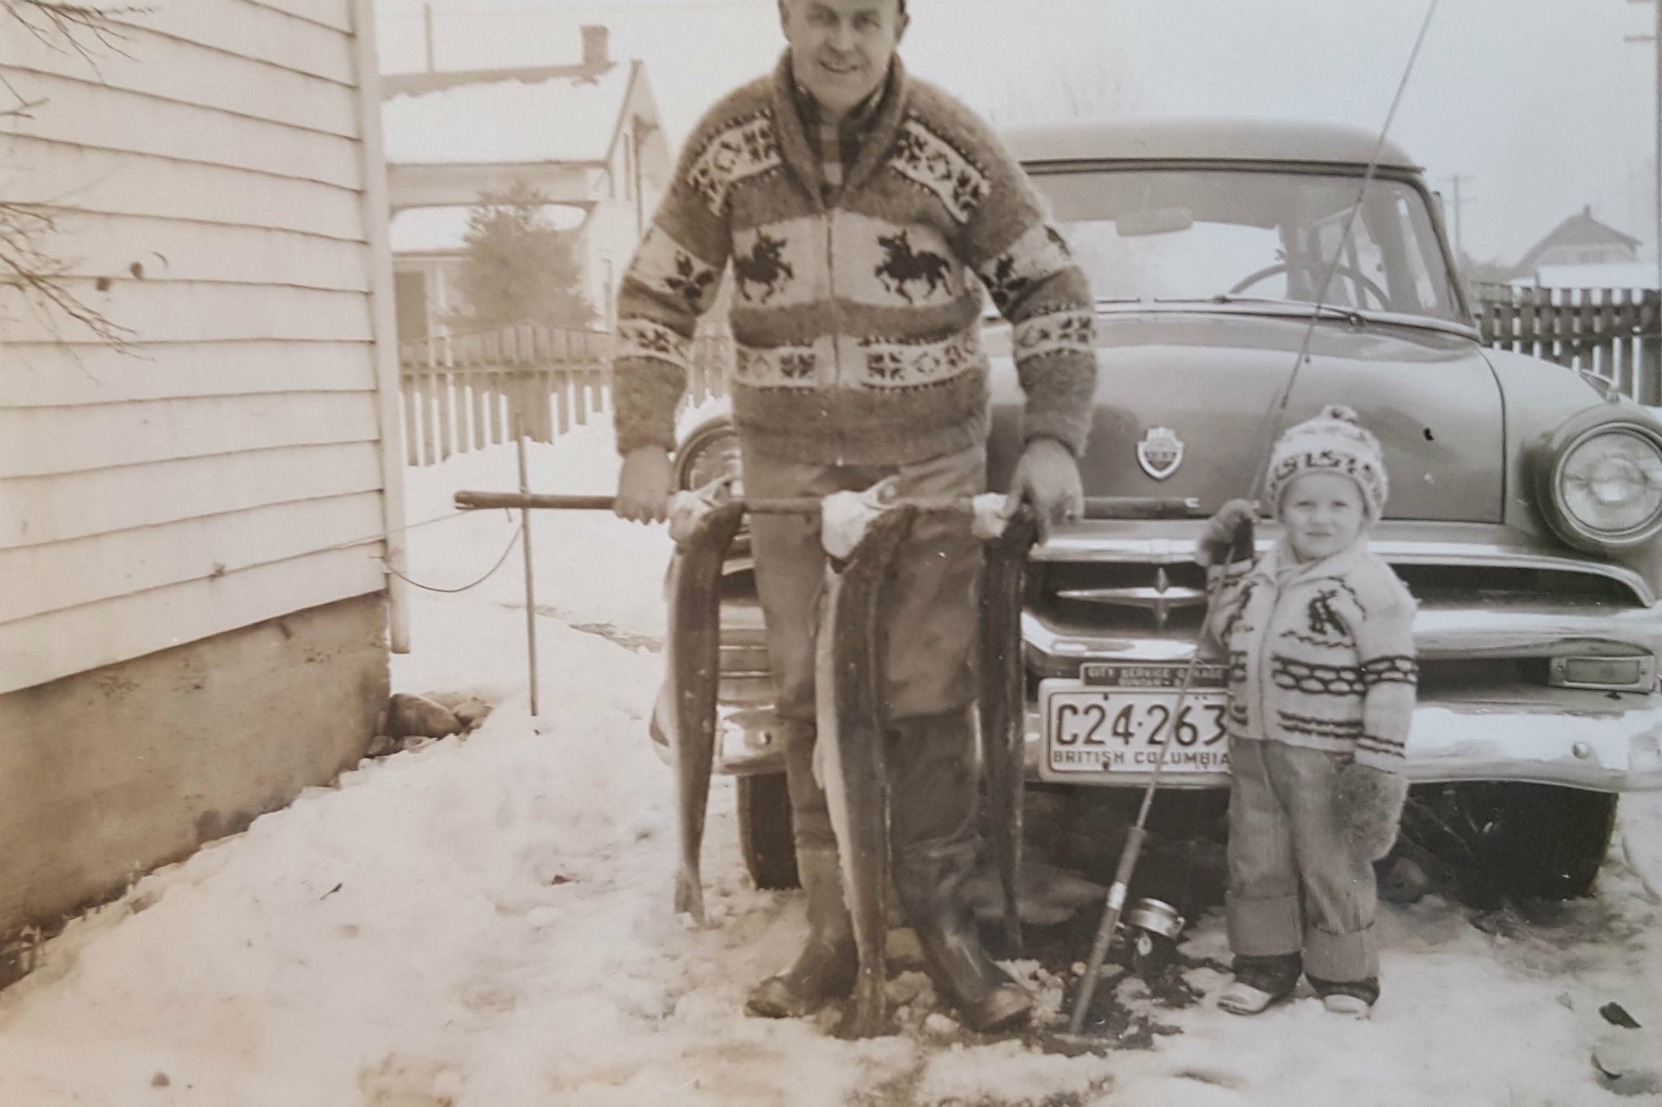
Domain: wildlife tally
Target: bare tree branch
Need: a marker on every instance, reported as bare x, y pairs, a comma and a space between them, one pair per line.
26, 265
28, 261
64, 27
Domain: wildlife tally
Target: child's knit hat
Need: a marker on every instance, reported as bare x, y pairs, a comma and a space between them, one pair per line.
1332, 442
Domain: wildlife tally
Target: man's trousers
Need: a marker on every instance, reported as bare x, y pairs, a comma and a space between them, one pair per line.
930, 605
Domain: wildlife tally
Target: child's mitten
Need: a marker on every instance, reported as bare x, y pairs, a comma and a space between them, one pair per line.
1229, 528
1370, 805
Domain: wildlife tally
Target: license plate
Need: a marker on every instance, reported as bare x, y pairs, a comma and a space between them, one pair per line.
1117, 717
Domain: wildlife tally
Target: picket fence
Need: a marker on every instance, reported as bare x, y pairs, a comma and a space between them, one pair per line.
465, 392
1611, 333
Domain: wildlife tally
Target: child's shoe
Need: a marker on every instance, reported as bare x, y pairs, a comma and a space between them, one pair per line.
1260, 981
1351, 1007
1351, 998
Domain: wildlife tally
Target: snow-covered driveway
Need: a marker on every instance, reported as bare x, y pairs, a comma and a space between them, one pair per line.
486, 923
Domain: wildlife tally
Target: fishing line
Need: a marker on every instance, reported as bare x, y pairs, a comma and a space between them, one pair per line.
1271, 421
1272, 416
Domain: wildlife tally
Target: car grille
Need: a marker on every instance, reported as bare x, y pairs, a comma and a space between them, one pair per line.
1169, 600
745, 676
1124, 602
1130, 601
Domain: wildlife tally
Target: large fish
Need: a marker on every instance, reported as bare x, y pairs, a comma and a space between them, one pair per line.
1002, 704
849, 706
694, 659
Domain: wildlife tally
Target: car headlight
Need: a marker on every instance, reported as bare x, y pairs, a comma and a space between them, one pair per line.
1602, 484
709, 453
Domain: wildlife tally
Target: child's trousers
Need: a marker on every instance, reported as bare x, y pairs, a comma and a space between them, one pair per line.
1295, 882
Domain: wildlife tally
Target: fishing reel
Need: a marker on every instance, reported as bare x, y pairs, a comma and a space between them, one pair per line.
1152, 928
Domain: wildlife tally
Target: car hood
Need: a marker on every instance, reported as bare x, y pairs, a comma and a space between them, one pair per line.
1209, 379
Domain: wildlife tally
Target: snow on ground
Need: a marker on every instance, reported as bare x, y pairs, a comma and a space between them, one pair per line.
486, 922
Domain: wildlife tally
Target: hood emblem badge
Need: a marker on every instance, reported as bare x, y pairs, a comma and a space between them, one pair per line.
1160, 452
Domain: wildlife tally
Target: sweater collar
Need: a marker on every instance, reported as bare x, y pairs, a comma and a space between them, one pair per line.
799, 155
1281, 566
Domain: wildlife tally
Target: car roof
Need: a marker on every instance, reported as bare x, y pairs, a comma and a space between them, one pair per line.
1215, 139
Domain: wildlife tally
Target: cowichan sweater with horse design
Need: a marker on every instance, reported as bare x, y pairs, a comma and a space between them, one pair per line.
1321, 654
856, 323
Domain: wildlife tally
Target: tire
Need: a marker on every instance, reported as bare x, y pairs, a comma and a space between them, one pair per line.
765, 837
1536, 841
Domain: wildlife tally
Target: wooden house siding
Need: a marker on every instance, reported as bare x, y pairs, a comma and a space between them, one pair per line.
70, 179
212, 191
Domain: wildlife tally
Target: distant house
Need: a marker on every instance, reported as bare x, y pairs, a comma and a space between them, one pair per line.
194, 602
1579, 240
586, 135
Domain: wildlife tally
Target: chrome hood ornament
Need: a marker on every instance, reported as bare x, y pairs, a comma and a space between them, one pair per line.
1160, 452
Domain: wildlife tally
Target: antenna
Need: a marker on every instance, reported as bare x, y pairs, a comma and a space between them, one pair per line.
1273, 415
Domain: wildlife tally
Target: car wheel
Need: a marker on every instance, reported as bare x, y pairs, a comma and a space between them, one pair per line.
1534, 841
765, 837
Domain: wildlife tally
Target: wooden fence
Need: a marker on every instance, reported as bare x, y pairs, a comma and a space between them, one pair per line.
1611, 333
466, 392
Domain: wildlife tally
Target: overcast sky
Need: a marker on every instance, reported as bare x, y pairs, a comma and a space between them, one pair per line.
1540, 103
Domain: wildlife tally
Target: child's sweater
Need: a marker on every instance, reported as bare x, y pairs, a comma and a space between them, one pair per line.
1321, 654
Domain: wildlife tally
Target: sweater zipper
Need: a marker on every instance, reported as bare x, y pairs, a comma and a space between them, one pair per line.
836, 317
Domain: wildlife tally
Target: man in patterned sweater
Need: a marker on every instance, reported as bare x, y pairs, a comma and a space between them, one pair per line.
853, 204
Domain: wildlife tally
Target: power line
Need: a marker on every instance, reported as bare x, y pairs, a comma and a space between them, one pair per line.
489, 573
1460, 203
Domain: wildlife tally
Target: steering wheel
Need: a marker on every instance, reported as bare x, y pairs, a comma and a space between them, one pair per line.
1356, 276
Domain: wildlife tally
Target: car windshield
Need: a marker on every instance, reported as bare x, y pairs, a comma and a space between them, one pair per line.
1171, 235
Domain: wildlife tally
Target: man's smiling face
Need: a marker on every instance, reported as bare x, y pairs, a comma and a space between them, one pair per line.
840, 49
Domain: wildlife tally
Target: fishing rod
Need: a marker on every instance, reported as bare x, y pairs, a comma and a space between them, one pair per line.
1269, 428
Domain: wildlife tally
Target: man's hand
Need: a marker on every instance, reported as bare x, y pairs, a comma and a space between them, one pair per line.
1047, 476
644, 485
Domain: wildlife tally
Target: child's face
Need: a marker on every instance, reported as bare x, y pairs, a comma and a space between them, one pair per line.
1322, 513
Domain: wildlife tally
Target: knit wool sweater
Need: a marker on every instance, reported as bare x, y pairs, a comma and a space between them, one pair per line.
1320, 654
856, 322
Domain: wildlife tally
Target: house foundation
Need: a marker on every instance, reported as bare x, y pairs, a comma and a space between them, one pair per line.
108, 774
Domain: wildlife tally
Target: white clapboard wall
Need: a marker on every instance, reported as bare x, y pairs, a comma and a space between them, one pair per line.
206, 172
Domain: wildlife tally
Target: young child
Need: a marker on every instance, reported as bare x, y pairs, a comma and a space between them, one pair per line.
1318, 634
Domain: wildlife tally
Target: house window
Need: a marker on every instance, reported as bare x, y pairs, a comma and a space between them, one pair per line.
629, 165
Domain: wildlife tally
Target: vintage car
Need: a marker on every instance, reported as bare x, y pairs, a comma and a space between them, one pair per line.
1526, 497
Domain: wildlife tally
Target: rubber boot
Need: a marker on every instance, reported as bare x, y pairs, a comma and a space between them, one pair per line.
824, 970
932, 811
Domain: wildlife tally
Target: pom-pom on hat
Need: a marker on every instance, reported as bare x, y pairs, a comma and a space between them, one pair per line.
1333, 442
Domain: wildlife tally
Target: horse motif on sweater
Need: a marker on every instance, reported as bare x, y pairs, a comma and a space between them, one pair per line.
902, 265
765, 266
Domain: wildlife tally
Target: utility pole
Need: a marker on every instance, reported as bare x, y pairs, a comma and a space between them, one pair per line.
1460, 203
1647, 383
427, 25
1655, 39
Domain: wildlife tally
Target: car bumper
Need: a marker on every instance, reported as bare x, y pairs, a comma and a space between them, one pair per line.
1619, 750
1615, 751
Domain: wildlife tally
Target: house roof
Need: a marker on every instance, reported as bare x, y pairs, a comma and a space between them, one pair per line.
508, 117
1580, 229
